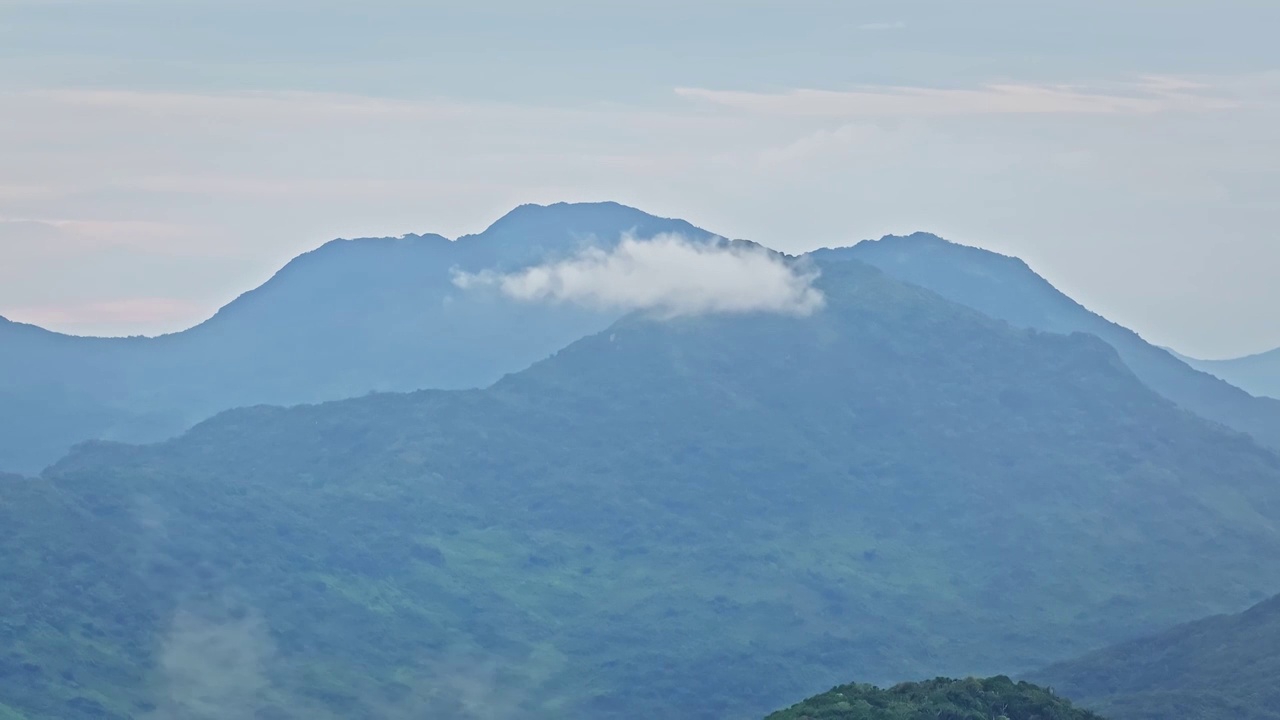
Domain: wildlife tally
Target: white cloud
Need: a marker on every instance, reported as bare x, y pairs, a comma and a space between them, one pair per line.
668, 275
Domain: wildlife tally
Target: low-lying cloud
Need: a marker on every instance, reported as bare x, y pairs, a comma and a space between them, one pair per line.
669, 275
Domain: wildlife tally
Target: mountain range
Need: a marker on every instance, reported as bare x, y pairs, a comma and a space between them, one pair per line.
947, 468
696, 517
351, 317
384, 314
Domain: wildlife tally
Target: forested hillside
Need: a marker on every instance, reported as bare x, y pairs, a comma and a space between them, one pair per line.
696, 518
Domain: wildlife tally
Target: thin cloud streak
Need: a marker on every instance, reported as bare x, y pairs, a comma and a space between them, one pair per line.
1151, 95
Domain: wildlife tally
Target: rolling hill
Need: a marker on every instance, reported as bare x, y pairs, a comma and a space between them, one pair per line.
1219, 668
695, 518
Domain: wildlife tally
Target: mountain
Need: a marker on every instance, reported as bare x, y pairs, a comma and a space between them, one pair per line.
1258, 374
351, 317
1005, 288
691, 519
1220, 668
971, 699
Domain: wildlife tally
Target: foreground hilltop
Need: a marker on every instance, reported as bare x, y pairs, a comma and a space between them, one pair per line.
999, 698
692, 518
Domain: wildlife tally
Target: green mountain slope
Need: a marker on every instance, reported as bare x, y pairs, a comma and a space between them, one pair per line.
690, 519
971, 699
354, 316
1005, 288
1219, 668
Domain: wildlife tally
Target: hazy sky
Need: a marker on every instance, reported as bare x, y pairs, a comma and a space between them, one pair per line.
158, 157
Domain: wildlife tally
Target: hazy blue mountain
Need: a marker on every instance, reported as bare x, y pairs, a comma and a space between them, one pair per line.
1004, 287
971, 699
351, 317
1258, 374
695, 519
1220, 668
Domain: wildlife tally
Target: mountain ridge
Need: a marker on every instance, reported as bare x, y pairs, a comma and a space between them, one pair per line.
1006, 288
349, 317
1258, 373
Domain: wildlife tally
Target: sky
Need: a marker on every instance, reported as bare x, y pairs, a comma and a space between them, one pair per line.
159, 157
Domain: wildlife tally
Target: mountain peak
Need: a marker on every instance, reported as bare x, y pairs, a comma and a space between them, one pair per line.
601, 220
928, 242
919, 236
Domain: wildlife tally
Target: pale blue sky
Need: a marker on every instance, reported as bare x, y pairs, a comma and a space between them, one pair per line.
162, 156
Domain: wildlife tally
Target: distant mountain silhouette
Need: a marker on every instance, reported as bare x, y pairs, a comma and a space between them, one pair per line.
1220, 668
1259, 374
693, 519
351, 317
382, 314
1006, 288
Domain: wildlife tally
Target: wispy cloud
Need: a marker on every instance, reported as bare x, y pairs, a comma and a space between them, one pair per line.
1148, 95
668, 275
214, 668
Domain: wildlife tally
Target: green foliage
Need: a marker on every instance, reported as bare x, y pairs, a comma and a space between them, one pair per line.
1219, 668
694, 519
997, 698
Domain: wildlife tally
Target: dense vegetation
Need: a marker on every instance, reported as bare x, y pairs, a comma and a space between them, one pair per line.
348, 318
694, 519
997, 698
1005, 288
1219, 668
